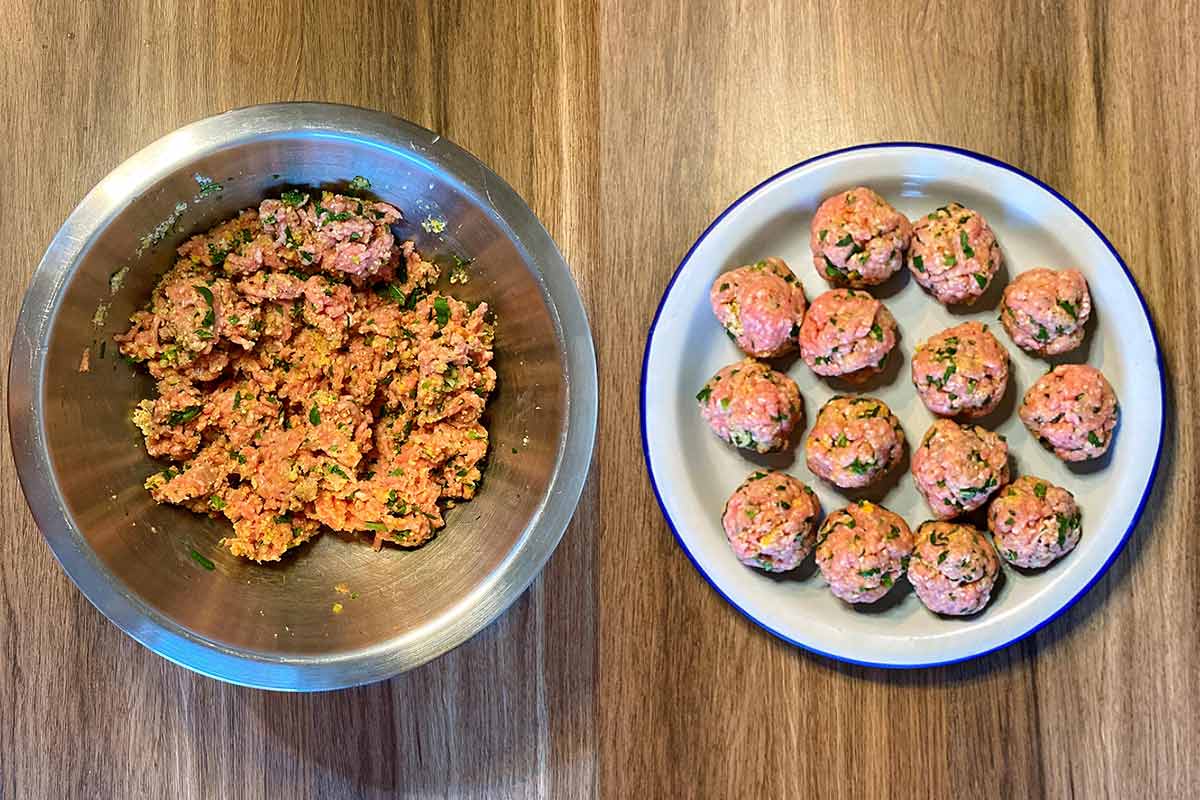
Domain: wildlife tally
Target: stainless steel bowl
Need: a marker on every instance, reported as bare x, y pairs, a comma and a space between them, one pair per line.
82, 466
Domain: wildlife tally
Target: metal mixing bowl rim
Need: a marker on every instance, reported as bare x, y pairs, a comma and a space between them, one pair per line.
27, 396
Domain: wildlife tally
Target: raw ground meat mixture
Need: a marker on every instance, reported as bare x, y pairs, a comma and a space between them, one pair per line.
309, 377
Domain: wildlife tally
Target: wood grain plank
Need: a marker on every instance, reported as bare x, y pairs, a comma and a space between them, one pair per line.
701, 101
85, 711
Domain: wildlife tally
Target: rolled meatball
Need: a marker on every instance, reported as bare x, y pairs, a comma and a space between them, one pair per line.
848, 334
854, 441
1073, 411
858, 239
1045, 310
958, 467
761, 307
962, 371
771, 521
862, 551
953, 568
953, 254
752, 406
1033, 522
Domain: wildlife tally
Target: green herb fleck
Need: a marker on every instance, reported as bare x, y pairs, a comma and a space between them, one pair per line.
314, 415
1039, 490
441, 309
949, 260
202, 561
919, 263
981, 279
1068, 307
966, 246
216, 502
433, 224
180, 416
860, 467
877, 332
293, 198
360, 184
845, 241
1093, 439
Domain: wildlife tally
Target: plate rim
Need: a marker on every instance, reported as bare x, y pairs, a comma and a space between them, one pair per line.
994, 162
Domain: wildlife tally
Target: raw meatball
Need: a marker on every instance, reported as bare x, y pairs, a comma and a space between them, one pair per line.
771, 520
1033, 522
847, 333
953, 568
1045, 311
1073, 411
750, 405
854, 441
957, 467
961, 371
761, 307
858, 239
862, 550
954, 254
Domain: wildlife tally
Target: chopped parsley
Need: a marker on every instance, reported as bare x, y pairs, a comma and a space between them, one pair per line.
845, 241
293, 198
919, 263
216, 502
1093, 439
949, 260
441, 309
207, 294
981, 279
1042, 334
1069, 307
314, 415
877, 332
182, 415
360, 184
1039, 490
860, 467
966, 246
201, 560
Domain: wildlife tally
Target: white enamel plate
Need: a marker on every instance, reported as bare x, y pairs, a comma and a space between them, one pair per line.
693, 472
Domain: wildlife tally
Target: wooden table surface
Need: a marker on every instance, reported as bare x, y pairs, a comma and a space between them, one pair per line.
628, 127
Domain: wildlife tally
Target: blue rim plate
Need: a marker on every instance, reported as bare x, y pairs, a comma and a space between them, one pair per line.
692, 473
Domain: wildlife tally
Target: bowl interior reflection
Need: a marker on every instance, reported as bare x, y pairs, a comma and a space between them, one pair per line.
286, 609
